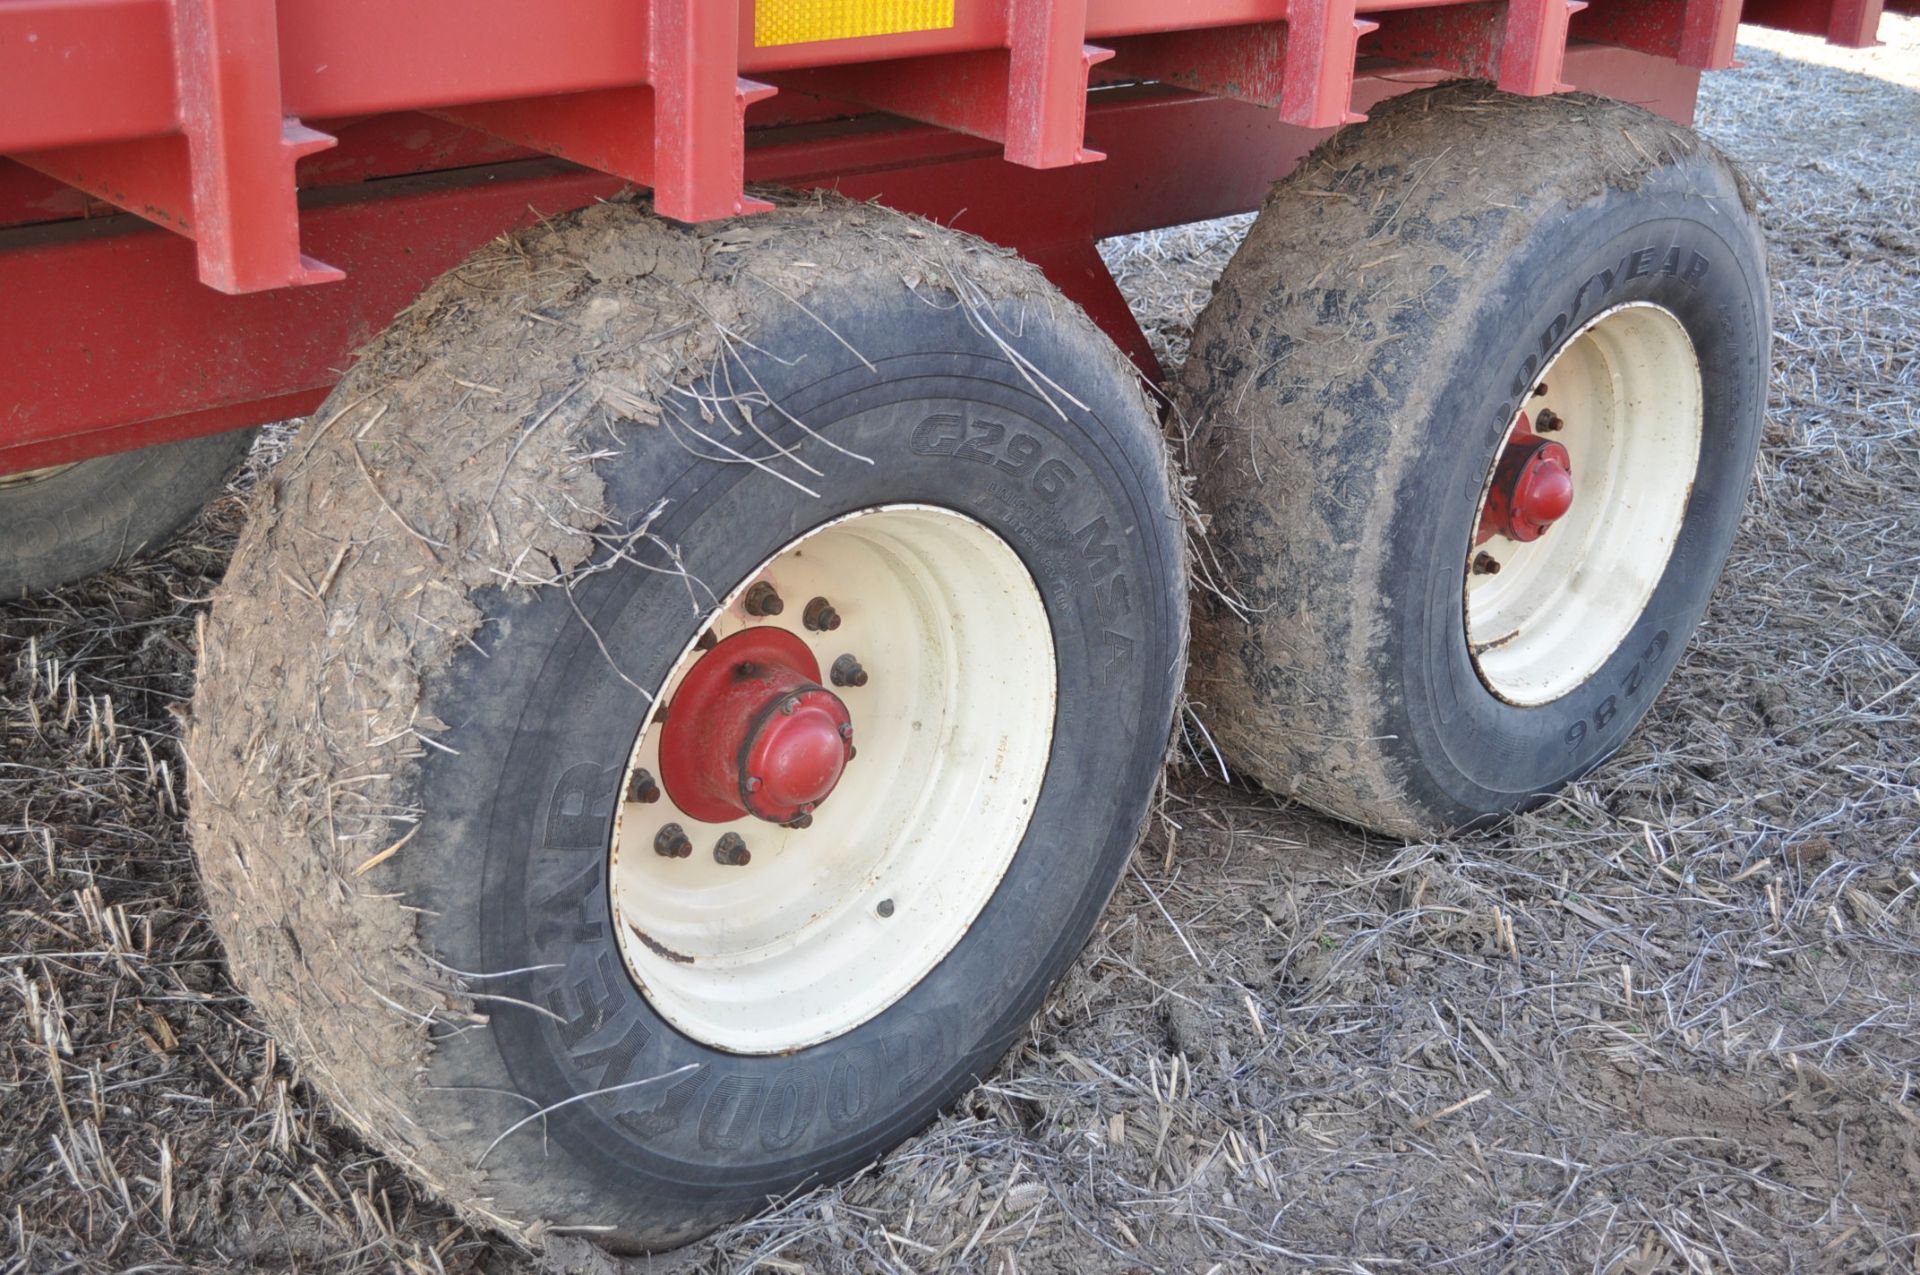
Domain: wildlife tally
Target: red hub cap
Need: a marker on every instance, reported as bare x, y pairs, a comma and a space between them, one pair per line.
1532, 488
752, 732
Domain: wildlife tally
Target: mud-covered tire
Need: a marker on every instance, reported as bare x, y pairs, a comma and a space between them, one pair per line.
427, 666
1366, 355
83, 518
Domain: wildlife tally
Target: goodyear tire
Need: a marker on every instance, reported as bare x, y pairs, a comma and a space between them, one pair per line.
441, 825
68, 522
1445, 613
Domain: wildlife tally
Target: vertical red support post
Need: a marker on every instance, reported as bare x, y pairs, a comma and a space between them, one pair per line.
1708, 29
1533, 45
1317, 88
699, 110
1047, 82
241, 149
1853, 24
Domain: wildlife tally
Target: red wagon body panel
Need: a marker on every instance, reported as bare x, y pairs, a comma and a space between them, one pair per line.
207, 205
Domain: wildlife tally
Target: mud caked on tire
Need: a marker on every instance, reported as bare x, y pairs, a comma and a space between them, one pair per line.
538, 504
1406, 651
70, 521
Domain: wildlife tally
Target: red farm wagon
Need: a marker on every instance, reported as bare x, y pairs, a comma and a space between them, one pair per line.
698, 673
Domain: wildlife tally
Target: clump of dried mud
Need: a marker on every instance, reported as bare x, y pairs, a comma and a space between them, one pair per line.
1671, 1022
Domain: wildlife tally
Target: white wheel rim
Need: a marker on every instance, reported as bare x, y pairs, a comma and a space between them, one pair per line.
828, 925
1627, 391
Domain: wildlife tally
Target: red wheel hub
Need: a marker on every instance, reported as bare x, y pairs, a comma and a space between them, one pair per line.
1532, 488
752, 732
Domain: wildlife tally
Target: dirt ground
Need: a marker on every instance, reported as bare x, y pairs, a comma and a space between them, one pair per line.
1672, 1022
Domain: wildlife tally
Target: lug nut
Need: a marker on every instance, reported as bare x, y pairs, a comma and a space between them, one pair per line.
1540, 389
801, 820
671, 842
847, 672
642, 787
1548, 422
788, 704
820, 616
846, 730
763, 599
884, 908
1485, 564
707, 641
731, 851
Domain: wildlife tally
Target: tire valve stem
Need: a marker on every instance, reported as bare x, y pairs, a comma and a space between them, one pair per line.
1485, 564
847, 672
642, 787
763, 599
820, 616
731, 851
671, 842
1548, 422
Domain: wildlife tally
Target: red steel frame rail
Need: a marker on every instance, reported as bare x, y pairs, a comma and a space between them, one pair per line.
218, 121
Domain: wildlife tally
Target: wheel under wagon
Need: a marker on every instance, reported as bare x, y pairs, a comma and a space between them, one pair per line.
1474, 436
756, 830
731, 725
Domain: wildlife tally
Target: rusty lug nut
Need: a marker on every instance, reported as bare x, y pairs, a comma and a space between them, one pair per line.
763, 599
1540, 389
801, 820
671, 842
1548, 422
707, 641
731, 851
642, 787
1485, 564
847, 672
820, 616
884, 908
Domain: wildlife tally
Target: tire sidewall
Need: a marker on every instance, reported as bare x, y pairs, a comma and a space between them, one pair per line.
105, 510
543, 724
1669, 243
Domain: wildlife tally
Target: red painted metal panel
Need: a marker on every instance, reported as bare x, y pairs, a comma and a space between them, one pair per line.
380, 146
113, 344
201, 132
575, 126
78, 71
107, 324
98, 70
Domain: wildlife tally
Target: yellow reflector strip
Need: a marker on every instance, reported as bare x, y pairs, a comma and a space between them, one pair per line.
801, 21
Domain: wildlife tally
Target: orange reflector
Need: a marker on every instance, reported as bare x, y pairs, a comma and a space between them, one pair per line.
803, 21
